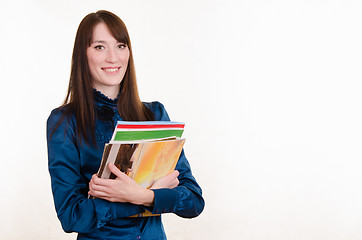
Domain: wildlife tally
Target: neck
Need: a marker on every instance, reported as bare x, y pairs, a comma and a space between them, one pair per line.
110, 92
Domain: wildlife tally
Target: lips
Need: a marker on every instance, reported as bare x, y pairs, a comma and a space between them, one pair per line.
111, 69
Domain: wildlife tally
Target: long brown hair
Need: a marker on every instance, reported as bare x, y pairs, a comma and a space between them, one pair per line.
79, 98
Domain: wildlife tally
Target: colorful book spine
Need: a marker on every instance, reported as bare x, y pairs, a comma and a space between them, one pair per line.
135, 131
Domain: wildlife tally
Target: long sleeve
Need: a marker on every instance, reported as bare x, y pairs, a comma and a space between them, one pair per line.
186, 199
75, 211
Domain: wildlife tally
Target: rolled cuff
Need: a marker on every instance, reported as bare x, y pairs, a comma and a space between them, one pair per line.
165, 200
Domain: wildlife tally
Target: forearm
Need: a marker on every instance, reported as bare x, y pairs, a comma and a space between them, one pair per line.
147, 198
87, 215
179, 200
75, 211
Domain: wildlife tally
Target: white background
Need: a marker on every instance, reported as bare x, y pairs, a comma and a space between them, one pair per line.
270, 91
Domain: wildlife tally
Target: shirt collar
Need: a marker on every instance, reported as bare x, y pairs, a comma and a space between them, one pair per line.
102, 99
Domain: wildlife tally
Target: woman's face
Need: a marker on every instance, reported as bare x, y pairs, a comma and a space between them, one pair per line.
107, 60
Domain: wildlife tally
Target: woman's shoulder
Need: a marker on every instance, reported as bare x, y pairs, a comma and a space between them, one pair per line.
158, 110
59, 116
57, 113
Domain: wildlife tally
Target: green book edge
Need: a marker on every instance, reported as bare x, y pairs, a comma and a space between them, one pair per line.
144, 135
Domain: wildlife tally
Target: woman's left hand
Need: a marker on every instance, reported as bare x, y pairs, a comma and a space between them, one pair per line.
121, 189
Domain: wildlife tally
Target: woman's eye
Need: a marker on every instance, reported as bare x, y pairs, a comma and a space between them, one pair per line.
121, 46
99, 47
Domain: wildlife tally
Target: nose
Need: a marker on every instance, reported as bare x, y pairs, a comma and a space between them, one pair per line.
111, 55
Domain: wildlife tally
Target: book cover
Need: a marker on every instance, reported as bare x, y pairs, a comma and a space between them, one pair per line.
153, 160
144, 162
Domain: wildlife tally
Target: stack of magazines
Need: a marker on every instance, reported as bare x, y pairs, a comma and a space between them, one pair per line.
145, 151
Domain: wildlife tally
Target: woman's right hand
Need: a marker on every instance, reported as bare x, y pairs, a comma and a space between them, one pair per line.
168, 181
121, 189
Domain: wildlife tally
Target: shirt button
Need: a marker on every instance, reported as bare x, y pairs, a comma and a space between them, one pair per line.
138, 237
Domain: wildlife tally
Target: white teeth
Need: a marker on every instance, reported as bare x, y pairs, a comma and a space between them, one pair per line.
111, 69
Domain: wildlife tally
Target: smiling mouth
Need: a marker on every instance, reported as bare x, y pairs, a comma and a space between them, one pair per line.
111, 70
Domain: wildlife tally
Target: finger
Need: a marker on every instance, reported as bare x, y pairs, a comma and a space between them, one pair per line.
177, 182
176, 173
98, 194
101, 188
99, 181
94, 176
174, 183
116, 171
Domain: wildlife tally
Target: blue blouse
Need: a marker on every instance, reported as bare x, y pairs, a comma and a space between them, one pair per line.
72, 164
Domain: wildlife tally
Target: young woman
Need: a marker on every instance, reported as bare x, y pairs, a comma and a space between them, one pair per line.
102, 90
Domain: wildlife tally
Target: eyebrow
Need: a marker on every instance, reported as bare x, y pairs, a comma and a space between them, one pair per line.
102, 41
98, 41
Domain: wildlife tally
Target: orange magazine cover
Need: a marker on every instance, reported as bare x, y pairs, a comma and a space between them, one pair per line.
153, 160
